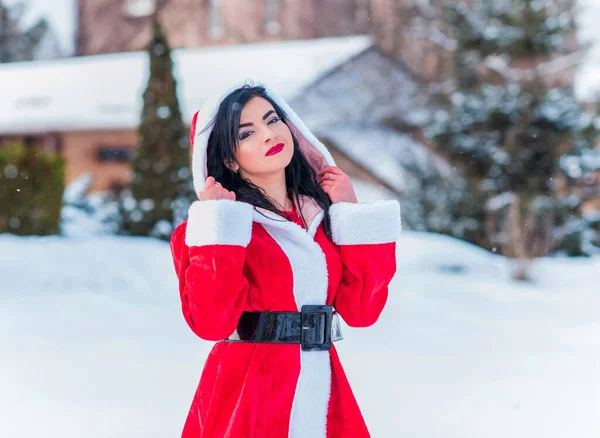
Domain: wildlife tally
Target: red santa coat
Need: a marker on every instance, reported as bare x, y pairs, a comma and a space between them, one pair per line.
231, 257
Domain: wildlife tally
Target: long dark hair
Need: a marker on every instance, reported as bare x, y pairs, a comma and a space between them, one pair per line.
300, 177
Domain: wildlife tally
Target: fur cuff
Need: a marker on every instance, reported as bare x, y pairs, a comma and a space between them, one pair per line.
219, 222
365, 223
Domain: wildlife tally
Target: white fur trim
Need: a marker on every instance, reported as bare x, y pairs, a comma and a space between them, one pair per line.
205, 116
365, 223
311, 401
309, 267
308, 417
316, 153
219, 222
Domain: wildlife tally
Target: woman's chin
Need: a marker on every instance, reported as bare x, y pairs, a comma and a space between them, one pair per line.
279, 163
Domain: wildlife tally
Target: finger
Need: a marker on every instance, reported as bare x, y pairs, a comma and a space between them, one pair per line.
327, 181
330, 177
209, 182
223, 192
230, 195
332, 169
325, 177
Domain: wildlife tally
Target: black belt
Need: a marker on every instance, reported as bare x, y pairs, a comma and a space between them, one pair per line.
314, 328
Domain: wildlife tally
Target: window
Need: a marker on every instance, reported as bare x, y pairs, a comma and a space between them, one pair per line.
272, 26
30, 141
115, 154
140, 8
215, 18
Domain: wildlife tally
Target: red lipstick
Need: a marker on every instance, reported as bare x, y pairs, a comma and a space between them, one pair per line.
275, 149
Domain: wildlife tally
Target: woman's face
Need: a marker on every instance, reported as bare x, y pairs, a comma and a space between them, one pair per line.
260, 130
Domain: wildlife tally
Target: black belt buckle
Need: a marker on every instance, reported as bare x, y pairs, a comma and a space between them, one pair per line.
316, 328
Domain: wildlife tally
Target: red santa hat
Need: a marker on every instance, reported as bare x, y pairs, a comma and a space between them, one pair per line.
315, 152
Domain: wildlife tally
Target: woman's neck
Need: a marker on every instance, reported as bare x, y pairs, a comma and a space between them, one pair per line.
275, 188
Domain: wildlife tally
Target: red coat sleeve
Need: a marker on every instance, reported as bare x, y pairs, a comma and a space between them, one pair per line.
209, 251
366, 236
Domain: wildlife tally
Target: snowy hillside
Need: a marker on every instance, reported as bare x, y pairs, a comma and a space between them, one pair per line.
94, 345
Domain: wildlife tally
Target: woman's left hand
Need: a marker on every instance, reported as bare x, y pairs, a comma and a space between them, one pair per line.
338, 186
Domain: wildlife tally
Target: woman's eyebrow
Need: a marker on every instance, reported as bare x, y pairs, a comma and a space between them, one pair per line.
243, 125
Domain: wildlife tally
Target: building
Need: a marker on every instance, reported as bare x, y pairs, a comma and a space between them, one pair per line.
89, 108
363, 104
349, 91
114, 26
412, 31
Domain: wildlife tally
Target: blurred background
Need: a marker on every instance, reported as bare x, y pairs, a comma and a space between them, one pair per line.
480, 117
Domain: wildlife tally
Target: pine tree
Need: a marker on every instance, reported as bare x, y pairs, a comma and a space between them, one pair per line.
161, 190
511, 122
17, 44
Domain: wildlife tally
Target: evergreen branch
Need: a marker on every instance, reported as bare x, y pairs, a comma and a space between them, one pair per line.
499, 65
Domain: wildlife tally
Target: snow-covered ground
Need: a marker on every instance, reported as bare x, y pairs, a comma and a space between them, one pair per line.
93, 344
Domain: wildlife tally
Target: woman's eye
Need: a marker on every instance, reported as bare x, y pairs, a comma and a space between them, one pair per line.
274, 119
244, 135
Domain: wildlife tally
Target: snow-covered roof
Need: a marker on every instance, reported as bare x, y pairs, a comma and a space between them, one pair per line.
368, 90
105, 91
394, 157
427, 185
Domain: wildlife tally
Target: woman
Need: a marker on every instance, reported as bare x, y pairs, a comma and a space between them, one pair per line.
277, 228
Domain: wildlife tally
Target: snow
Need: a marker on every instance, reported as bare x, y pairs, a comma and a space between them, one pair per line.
389, 154
426, 183
354, 95
61, 15
94, 343
105, 91
587, 83
371, 192
86, 214
501, 201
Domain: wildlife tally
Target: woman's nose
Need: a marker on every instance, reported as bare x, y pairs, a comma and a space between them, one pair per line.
267, 134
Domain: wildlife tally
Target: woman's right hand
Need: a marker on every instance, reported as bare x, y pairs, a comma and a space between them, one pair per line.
214, 190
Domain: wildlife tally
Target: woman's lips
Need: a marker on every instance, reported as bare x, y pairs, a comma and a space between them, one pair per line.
275, 149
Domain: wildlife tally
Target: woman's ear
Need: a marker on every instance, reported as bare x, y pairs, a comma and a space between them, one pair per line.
231, 165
